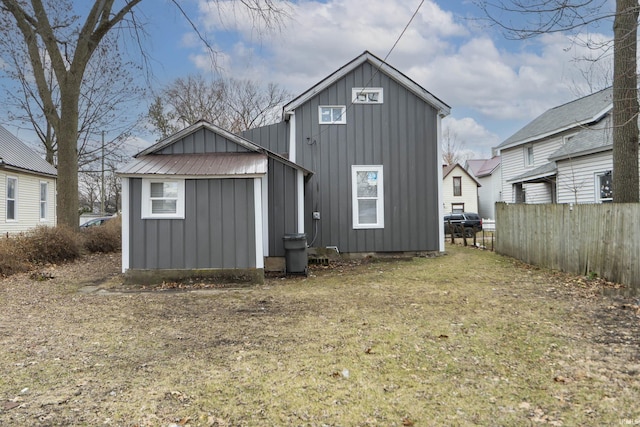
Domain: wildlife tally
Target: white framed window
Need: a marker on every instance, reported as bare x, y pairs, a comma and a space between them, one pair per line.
367, 187
332, 114
457, 207
12, 198
43, 200
457, 186
367, 95
528, 155
163, 198
604, 187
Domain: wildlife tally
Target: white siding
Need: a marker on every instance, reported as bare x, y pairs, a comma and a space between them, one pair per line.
469, 191
489, 194
28, 202
513, 164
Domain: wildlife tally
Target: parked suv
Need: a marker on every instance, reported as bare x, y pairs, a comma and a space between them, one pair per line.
471, 223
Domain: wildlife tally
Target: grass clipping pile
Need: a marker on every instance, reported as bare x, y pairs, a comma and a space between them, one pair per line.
471, 338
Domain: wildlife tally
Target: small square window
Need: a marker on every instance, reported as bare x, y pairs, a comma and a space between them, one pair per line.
331, 115
367, 95
163, 199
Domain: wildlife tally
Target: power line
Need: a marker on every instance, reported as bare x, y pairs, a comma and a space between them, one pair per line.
384, 61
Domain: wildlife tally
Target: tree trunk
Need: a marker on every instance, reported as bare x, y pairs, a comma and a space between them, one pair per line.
626, 188
67, 198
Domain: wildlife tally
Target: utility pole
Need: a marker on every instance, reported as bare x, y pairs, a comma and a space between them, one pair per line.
102, 186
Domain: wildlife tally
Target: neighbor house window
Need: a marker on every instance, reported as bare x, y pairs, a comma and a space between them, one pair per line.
43, 201
367, 95
12, 196
528, 155
162, 198
368, 196
457, 207
332, 114
604, 188
457, 186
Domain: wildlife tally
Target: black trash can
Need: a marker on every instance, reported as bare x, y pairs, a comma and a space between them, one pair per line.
295, 253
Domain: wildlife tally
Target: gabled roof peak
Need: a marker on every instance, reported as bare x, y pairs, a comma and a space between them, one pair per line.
383, 67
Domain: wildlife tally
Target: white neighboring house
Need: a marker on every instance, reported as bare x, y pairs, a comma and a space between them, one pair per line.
27, 187
459, 189
562, 156
488, 173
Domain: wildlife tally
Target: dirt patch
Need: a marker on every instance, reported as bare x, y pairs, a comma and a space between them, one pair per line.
463, 339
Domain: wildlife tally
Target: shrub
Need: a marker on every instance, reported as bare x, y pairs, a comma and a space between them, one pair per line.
50, 244
12, 259
104, 238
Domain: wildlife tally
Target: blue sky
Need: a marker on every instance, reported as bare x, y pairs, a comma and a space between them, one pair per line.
494, 85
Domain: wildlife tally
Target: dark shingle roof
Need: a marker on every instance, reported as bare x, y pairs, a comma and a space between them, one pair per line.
17, 155
588, 109
589, 140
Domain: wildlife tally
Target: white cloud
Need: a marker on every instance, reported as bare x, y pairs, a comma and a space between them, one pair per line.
490, 81
472, 136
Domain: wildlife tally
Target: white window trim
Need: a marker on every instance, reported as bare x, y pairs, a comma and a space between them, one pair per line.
343, 115
365, 90
528, 159
15, 200
146, 200
44, 218
596, 184
354, 195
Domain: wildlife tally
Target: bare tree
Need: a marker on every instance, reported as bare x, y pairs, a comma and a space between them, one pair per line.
56, 37
521, 19
108, 94
452, 147
232, 104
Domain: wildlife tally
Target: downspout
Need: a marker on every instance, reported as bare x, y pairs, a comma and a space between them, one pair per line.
125, 223
290, 116
440, 196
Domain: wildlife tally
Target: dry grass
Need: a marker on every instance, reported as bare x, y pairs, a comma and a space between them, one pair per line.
470, 338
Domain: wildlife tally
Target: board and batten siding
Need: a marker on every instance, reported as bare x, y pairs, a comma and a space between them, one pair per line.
203, 141
218, 230
401, 135
273, 137
27, 202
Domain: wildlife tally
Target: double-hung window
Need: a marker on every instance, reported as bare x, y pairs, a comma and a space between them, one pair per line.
332, 114
367, 188
528, 155
43, 200
162, 198
457, 186
12, 198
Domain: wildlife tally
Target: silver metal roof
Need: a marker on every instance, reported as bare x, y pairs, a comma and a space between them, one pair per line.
243, 142
210, 164
17, 155
583, 111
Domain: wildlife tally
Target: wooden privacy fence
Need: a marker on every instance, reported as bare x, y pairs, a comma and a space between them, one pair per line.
602, 239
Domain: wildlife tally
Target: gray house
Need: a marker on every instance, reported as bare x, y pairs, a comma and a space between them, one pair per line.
206, 202
371, 135
354, 165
